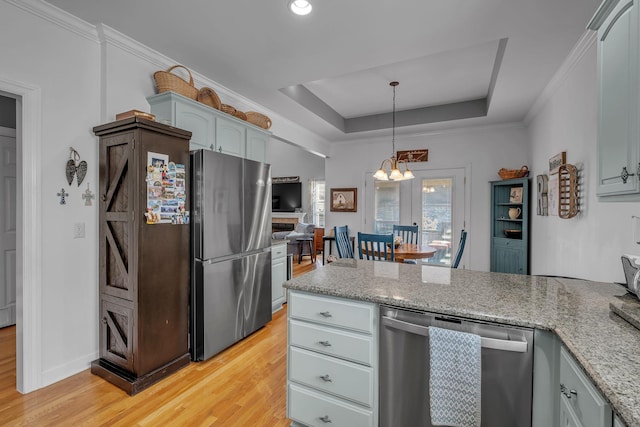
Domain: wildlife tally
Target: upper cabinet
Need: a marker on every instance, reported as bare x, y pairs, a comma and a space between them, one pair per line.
211, 129
617, 23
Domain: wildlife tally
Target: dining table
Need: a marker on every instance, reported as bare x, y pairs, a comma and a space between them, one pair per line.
413, 251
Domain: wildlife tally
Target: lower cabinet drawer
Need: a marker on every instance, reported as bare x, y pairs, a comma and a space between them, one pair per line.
333, 342
316, 409
335, 376
357, 316
579, 394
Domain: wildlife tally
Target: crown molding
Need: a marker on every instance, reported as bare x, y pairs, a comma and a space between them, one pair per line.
57, 16
447, 131
582, 46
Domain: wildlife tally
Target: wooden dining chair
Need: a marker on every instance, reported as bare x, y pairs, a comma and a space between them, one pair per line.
463, 240
377, 247
343, 242
409, 233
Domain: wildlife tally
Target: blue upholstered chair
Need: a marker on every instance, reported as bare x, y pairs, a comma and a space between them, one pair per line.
463, 240
343, 243
376, 246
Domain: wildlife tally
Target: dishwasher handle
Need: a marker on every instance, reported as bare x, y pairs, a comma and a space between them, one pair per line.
492, 343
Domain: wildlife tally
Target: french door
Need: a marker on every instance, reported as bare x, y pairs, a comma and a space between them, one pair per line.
434, 200
438, 207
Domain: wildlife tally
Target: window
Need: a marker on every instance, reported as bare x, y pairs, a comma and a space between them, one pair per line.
387, 206
317, 193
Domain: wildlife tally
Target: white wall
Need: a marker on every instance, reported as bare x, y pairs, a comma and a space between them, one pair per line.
65, 66
482, 150
288, 160
587, 246
86, 75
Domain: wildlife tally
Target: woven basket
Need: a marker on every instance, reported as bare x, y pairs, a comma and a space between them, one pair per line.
239, 114
513, 173
226, 108
258, 119
209, 97
166, 81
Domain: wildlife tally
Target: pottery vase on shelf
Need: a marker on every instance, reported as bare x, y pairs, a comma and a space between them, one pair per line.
514, 213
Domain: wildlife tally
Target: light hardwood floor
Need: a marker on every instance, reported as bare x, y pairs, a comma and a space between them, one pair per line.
244, 385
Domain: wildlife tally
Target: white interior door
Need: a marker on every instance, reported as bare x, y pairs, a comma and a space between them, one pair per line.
438, 207
8, 187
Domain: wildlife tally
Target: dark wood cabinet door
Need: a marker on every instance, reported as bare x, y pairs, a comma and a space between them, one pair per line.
117, 255
116, 334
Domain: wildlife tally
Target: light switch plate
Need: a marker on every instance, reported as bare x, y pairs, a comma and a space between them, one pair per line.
78, 230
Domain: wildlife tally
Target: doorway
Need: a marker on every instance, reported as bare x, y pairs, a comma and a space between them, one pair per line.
28, 100
8, 189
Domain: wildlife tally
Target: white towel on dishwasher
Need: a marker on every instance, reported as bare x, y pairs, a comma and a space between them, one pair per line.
455, 378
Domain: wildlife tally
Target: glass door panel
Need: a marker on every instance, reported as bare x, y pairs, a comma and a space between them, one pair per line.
438, 208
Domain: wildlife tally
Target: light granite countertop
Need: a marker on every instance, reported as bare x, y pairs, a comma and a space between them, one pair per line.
607, 347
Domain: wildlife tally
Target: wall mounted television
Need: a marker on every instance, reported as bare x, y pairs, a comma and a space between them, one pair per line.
286, 197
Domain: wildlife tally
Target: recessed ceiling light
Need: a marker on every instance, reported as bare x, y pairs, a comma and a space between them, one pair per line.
300, 7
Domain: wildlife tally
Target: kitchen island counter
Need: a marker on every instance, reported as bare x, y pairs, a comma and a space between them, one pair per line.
577, 311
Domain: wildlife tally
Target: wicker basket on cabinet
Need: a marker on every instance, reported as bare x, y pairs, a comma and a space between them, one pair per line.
167, 81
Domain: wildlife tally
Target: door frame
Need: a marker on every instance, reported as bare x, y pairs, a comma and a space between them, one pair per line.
28, 232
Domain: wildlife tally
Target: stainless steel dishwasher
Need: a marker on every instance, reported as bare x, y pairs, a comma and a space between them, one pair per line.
507, 368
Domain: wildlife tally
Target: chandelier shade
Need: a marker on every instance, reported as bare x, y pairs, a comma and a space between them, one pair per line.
392, 164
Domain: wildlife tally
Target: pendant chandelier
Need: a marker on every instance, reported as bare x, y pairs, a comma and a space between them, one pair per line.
392, 163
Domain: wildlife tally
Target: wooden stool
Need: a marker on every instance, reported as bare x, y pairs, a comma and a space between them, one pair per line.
301, 242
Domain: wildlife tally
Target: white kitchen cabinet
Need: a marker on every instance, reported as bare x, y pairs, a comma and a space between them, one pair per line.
581, 404
211, 129
231, 137
192, 116
617, 23
257, 143
278, 275
332, 361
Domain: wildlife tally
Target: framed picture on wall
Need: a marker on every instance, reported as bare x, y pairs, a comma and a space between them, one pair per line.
344, 200
515, 195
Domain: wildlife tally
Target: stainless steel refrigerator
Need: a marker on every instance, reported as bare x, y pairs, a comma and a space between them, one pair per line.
231, 250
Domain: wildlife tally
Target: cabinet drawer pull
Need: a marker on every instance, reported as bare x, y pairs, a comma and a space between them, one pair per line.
325, 314
624, 175
325, 419
326, 378
325, 343
567, 394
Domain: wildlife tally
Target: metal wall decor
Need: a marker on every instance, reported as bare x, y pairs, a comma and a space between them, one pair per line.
63, 195
88, 196
75, 167
568, 191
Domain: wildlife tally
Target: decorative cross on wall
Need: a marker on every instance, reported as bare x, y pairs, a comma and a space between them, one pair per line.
88, 196
62, 196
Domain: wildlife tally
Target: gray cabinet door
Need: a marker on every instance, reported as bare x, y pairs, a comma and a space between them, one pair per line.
618, 132
508, 257
230, 137
199, 122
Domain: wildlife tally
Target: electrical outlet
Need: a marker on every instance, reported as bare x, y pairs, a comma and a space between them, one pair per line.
78, 230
